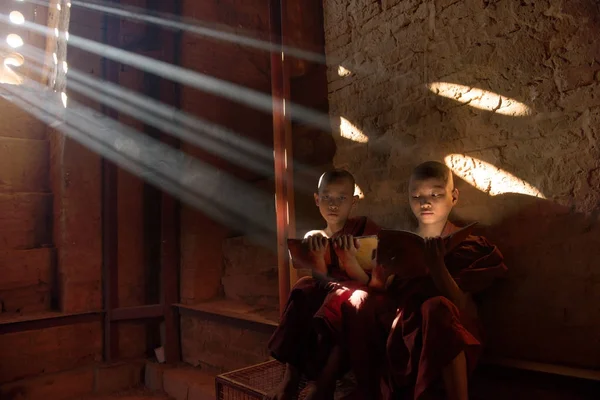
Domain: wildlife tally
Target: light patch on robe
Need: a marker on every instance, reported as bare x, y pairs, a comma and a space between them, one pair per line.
358, 298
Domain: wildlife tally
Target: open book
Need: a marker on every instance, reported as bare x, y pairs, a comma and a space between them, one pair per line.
402, 252
365, 254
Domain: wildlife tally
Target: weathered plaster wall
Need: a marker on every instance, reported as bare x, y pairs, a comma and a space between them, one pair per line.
544, 54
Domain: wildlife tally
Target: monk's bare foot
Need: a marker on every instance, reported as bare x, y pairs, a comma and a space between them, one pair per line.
288, 387
315, 392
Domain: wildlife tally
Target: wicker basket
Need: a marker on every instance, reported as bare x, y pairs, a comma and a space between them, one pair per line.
253, 383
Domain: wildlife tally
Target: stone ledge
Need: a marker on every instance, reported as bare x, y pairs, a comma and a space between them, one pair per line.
233, 309
553, 369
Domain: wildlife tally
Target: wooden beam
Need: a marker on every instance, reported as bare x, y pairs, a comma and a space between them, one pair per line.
282, 146
151, 45
170, 206
110, 284
139, 312
46, 320
170, 276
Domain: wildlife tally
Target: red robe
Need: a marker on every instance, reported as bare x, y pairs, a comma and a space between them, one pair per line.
305, 334
399, 341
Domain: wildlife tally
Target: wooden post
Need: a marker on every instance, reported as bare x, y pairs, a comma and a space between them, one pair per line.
110, 285
170, 93
282, 146
170, 276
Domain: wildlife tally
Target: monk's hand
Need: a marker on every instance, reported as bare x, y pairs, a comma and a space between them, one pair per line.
317, 245
378, 277
345, 247
435, 250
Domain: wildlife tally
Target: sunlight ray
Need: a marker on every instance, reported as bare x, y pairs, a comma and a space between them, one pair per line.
191, 180
249, 97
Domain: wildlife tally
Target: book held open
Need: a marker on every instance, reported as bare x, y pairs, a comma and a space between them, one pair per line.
402, 252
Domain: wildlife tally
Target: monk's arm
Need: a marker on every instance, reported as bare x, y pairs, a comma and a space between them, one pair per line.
355, 271
446, 284
319, 266
318, 246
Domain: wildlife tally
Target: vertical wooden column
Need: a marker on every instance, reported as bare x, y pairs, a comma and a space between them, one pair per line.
170, 276
282, 146
110, 285
170, 247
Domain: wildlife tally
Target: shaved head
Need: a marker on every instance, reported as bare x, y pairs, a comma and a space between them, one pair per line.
335, 176
433, 170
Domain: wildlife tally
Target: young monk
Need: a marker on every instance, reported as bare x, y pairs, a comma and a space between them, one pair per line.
421, 337
305, 339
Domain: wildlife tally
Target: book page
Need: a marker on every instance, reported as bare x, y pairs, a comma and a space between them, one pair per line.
402, 252
365, 254
367, 251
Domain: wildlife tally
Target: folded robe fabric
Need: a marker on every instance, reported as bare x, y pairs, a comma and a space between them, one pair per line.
400, 340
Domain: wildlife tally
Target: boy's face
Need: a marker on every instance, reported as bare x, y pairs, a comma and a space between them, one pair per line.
431, 200
335, 200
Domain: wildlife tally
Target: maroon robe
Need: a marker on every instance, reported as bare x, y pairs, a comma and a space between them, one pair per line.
400, 340
305, 335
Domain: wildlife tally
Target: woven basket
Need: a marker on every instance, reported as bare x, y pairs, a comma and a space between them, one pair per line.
253, 383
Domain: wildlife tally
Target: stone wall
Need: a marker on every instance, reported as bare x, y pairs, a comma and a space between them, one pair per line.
26, 253
76, 178
523, 129
51, 250
219, 258
249, 272
202, 234
26, 243
221, 344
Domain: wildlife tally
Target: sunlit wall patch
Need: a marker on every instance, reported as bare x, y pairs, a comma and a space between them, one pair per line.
480, 99
351, 132
488, 178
